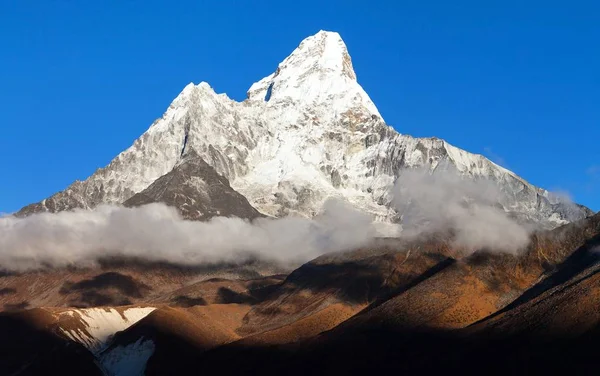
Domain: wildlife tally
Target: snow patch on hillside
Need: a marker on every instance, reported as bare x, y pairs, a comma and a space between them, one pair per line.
129, 360
94, 327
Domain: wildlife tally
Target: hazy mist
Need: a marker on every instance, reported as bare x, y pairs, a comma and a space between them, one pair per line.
157, 233
445, 200
427, 202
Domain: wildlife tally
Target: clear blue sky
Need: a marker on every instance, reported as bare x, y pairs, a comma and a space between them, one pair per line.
518, 81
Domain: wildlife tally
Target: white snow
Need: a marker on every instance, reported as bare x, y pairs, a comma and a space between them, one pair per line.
129, 360
318, 135
95, 327
318, 71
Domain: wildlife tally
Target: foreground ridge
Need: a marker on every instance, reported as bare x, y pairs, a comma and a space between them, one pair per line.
390, 306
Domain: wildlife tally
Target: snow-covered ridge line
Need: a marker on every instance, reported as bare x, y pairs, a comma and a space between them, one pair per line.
306, 132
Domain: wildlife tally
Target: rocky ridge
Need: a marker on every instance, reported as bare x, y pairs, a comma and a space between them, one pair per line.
306, 132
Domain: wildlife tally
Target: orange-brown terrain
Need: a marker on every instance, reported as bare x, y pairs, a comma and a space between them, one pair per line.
121, 282
401, 306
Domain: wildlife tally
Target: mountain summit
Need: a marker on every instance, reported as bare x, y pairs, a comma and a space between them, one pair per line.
306, 132
318, 71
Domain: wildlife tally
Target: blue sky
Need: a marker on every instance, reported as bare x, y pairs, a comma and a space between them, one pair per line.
517, 81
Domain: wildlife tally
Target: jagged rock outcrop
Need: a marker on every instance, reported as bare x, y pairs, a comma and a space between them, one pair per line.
197, 191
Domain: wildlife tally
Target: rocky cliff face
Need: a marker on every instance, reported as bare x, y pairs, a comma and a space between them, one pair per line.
198, 191
306, 132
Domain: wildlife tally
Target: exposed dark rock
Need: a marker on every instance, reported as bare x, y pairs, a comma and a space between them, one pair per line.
197, 191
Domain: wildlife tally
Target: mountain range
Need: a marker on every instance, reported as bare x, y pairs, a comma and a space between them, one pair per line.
307, 133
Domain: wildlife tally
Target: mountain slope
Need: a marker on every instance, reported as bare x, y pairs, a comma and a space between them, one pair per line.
306, 132
197, 190
29, 345
426, 326
395, 305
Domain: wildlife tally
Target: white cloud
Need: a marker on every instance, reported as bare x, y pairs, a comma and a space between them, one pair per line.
156, 232
428, 202
494, 157
444, 200
593, 171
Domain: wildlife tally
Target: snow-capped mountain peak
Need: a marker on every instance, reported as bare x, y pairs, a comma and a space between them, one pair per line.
305, 133
318, 71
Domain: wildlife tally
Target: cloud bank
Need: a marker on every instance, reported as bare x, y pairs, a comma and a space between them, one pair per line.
443, 200
428, 203
156, 232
